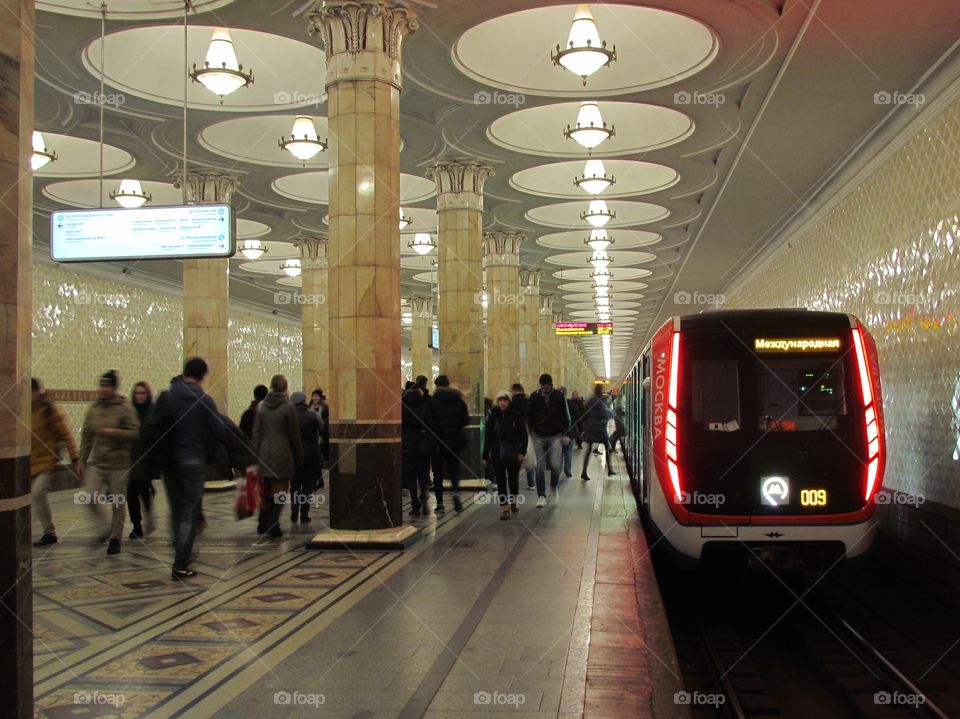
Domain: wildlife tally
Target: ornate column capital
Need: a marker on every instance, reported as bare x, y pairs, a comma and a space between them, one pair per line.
459, 183
502, 248
422, 307
530, 281
362, 38
546, 304
313, 251
207, 188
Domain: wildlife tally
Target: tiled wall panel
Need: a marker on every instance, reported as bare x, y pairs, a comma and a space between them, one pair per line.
888, 253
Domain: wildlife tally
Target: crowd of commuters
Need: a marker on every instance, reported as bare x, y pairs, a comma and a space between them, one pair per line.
181, 437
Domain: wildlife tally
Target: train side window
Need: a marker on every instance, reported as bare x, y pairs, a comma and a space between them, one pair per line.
715, 395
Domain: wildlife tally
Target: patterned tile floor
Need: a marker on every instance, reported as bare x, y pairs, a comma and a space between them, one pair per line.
477, 609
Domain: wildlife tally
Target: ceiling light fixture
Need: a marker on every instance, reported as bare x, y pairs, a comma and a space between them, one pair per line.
252, 249
590, 129
404, 221
600, 261
130, 195
601, 279
422, 243
221, 74
585, 53
303, 143
599, 240
598, 214
601, 290
603, 301
594, 180
41, 155
291, 267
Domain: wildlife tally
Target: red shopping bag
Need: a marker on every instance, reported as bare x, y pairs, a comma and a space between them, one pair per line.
249, 493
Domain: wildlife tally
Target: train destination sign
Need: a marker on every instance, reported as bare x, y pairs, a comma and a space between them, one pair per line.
169, 232
579, 329
797, 344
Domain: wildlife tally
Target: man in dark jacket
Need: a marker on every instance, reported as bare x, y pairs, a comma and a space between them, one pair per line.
184, 421
518, 403
305, 479
416, 441
447, 416
250, 413
549, 423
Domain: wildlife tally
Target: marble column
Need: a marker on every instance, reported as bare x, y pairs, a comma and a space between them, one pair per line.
421, 354
530, 367
460, 273
565, 375
546, 338
16, 208
313, 313
362, 40
206, 292
501, 251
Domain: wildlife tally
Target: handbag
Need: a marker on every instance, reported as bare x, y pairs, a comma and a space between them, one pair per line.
249, 494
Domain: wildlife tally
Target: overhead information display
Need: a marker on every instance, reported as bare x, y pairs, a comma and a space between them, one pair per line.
579, 329
170, 232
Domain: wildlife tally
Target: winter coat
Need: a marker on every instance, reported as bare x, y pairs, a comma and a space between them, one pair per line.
276, 438
185, 421
548, 419
140, 469
311, 427
577, 408
50, 432
234, 452
248, 417
596, 415
416, 436
504, 428
447, 414
109, 452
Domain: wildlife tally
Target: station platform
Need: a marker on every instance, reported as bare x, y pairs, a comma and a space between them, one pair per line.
554, 613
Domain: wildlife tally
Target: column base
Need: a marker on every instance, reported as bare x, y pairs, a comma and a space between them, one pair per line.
397, 538
471, 455
365, 487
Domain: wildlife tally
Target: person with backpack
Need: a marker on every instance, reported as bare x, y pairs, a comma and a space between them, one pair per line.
109, 431
448, 416
50, 434
596, 417
416, 444
305, 479
179, 437
276, 441
504, 446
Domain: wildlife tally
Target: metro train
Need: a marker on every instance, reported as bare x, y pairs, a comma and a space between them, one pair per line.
759, 431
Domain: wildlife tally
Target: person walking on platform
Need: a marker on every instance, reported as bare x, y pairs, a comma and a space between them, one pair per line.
576, 417
447, 415
504, 446
305, 480
416, 443
549, 423
250, 413
180, 428
567, 453
318, 404
518, 402
109, 431
50, 434
596, 417
140, 491
276, 442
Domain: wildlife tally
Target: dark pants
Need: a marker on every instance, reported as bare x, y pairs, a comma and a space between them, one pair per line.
274, 490
508, 480
301, 490
586, 457
139, 493
416, 480
184, 487
446, 457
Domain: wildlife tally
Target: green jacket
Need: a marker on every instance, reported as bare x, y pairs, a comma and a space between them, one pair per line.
109, 452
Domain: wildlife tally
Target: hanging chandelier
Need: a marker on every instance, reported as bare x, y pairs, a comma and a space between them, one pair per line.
599, 240
601, 279
590, 129
303, 143
422, 243
404, 220
601, 291
221, 74
600, 260
598, 214
41, 155
594, 179
584, 53
252, 249
130, 195
291, 267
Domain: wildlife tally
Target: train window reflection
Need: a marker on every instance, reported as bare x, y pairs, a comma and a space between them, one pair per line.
715, 390
797, 395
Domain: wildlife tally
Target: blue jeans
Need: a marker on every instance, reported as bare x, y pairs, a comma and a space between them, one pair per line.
548, 451
185, 493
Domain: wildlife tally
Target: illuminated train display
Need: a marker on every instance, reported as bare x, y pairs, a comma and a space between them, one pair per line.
759, 431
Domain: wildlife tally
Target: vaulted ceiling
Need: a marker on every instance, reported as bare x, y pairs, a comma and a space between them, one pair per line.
729, 116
